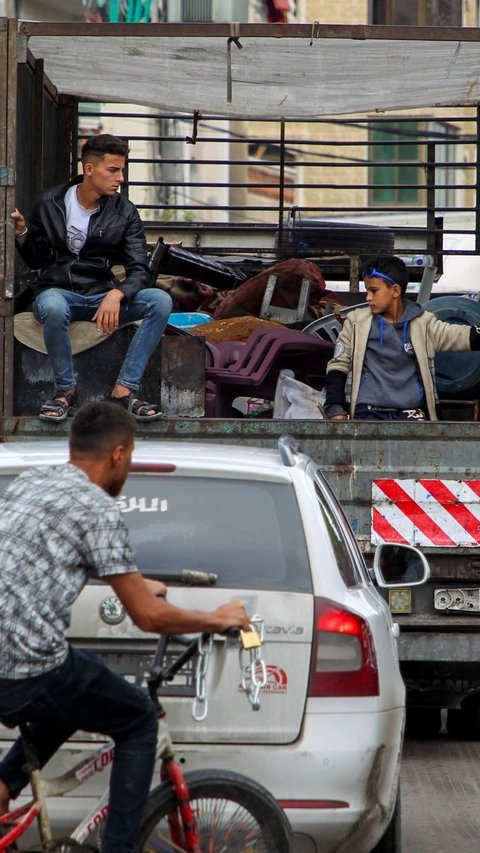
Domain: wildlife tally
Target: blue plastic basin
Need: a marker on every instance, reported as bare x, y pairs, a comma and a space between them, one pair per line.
185, 319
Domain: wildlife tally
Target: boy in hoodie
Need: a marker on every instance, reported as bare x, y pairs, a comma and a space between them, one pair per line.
387, 351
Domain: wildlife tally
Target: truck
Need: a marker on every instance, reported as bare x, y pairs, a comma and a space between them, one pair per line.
398, 482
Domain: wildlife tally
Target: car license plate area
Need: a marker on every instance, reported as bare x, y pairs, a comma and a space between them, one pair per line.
457, 599
135, 667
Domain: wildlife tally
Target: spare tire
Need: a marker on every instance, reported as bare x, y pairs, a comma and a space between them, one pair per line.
337, 236
456, 372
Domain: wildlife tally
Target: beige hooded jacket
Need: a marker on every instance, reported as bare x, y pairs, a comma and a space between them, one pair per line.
428, 336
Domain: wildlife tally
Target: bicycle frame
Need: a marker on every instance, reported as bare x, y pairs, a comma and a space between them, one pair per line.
183, 831
182, 824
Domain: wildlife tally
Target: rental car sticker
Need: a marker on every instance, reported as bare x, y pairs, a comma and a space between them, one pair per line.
277, 680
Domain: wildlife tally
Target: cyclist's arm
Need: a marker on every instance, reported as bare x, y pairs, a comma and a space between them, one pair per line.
154, 614
156, 587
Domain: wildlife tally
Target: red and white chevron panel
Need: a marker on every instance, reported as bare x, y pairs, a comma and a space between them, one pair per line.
442, 513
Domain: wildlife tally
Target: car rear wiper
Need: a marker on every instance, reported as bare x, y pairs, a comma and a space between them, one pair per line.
190, 577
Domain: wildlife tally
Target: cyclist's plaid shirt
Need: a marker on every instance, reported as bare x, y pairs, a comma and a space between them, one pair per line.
56, 528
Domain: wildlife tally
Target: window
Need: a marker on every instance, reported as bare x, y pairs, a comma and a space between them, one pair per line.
399, 152
248, 532
207, 10
395, 175
417, 13
197, 10
264, 171
344, 545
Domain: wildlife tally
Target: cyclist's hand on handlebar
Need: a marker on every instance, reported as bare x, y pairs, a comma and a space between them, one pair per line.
156, 588
232, 615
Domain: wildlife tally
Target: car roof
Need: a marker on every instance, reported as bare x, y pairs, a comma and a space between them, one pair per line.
187, 456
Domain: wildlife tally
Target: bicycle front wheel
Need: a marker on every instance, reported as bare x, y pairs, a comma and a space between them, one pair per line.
233, 814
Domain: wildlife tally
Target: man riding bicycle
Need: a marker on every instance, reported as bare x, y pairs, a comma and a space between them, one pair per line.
59, 526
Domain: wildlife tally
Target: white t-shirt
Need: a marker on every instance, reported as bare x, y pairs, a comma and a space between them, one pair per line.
77, 220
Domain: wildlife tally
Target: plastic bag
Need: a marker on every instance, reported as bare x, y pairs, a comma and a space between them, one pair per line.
295, 400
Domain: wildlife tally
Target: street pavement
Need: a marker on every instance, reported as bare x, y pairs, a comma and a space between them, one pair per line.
440, 785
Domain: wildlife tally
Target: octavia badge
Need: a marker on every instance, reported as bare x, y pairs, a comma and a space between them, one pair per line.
111, 611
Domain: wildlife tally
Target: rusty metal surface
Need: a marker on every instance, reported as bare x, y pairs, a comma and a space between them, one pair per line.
183, 376
8, 127
350, 453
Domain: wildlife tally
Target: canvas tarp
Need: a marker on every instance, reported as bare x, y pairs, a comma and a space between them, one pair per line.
289, 70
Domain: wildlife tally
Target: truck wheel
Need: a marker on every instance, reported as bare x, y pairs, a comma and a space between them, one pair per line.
455, 723
423, 723
391, 842
456, 373
464, 723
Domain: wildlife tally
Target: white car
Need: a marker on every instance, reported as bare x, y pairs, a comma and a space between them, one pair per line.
327, 739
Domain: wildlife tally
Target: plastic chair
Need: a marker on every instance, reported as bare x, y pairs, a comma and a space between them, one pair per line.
330, 325
257, 368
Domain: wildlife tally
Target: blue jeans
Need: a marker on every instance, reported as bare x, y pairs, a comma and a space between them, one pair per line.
83, 693
380, 413
55, 309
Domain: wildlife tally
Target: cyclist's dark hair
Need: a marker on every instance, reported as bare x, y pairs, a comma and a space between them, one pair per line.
98, 427
392, 266
103, 143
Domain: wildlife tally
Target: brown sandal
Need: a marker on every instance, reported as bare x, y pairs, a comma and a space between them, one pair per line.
138, 408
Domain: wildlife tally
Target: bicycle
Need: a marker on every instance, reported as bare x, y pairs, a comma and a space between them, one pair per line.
202, 811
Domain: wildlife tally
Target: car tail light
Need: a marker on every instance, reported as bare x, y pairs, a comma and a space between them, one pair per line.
344, 662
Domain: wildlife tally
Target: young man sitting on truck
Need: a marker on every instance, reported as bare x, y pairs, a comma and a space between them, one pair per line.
386, 351
75, 235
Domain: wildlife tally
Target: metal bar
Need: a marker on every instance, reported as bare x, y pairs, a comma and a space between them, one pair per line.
298, 185
281, 180
477, 186
430, 179
426, 284
67, 138
438, 251
249, 30
38, 126
358, 122
49, 87
3, 155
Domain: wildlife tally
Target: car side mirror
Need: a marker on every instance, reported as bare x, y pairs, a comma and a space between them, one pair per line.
399, 565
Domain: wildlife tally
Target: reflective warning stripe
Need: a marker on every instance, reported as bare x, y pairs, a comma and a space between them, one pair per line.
445, 513
385, 530
453, 504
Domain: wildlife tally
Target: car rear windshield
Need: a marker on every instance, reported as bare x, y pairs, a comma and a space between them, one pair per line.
248, 532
